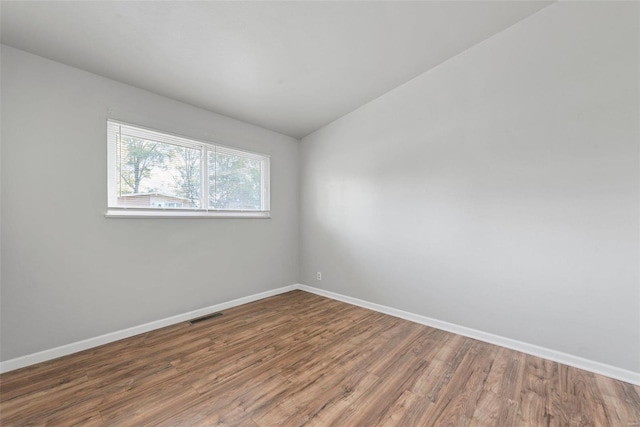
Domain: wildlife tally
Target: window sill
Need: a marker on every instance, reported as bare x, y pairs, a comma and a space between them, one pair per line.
165, 213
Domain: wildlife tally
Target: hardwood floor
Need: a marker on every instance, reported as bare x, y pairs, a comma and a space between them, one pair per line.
301, 359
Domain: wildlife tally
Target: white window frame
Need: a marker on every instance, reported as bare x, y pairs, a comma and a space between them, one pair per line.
114, 129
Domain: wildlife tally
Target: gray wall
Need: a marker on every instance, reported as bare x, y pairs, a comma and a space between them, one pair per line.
498, 191
68, 273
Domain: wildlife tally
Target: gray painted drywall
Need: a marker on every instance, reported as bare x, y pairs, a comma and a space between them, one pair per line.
498, 191
69, 273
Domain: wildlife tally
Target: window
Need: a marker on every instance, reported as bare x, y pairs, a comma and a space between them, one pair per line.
154, 174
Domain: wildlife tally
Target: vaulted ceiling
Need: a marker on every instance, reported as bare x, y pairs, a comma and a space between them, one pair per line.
287, 66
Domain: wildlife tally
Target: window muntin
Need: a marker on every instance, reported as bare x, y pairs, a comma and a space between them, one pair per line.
156, 174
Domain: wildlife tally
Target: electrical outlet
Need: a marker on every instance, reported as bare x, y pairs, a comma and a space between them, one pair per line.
319, 275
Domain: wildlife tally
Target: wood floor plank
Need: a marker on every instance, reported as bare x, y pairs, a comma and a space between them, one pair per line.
335, 407
417, 413
441, 368
460, 395
399, 377
397, 411
621, 401
498, 404
489, 409
300, 359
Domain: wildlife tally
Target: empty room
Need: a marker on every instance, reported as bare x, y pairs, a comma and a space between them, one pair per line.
320, 213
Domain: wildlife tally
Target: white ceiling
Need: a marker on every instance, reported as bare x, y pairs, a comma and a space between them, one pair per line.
287, 66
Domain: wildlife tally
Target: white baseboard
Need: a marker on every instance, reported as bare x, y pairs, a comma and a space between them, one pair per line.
534, 350
556, 356
43, 356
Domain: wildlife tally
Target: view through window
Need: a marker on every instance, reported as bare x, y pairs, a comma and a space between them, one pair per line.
150, 171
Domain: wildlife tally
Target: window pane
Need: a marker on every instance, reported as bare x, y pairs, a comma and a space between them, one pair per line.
234, 182
174, 176
153, 174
